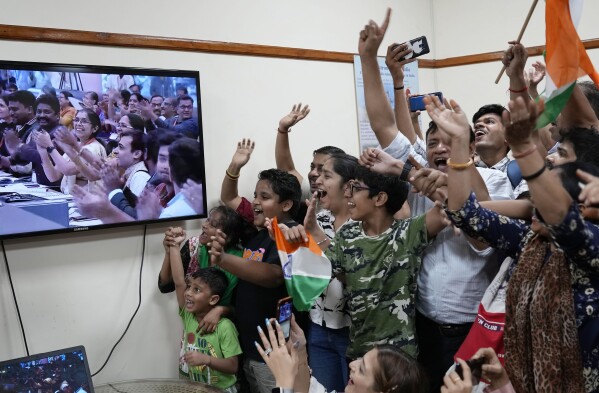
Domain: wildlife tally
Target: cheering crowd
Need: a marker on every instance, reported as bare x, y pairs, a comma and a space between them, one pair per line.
423, 234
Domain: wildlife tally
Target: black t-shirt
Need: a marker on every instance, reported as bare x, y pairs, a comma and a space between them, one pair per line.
255, 303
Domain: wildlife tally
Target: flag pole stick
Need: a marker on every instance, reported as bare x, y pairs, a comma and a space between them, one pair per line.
532, 8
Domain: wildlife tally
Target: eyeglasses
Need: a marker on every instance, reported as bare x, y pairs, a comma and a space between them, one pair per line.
355, 186
185, 107
121, 125
82, 120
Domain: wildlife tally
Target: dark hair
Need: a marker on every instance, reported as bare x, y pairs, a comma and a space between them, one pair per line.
139, 97
184, 97
136, 121
585, 142
328, 150
25, 97
215, 278
125, 95
67, 94
156, 95
93, 117
398, 372
184, 156
183, 88
344, 165
432, 127
232, 224
93, 95
571, 182
396, 190
13, 85
49, 100
591, 92
486, 109
285, 186
157, 138
137, 140
135, 84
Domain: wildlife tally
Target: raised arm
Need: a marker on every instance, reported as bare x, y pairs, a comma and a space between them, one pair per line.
177, 237
403, 118
262, 273
283, 156
42, 142
380, 114
514, 58
549, 196
535, 75
229, 193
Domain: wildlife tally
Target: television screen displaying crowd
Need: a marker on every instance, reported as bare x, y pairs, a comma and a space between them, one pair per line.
121, 155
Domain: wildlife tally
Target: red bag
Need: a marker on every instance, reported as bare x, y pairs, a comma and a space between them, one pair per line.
488, 327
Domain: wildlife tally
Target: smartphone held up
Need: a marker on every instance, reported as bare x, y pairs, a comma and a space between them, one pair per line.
419, 47
284, 311
417, 102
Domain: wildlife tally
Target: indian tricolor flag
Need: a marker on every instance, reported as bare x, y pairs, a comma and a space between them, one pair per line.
307, 270
565, 56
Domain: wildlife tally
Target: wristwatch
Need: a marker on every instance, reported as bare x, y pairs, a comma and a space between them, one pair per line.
405, 172
49, 149
281, 390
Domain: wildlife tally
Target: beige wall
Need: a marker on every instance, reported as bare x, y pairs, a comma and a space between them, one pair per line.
82, 288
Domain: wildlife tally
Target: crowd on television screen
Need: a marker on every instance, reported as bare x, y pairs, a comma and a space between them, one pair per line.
58, 374
473, 238
121, 155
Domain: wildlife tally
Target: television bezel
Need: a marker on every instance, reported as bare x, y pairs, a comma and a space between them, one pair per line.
38, 356
101, 69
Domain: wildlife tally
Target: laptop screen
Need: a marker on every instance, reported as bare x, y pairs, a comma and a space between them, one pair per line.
61, 371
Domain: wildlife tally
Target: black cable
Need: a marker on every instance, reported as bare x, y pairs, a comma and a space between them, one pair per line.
143, 252
14, 296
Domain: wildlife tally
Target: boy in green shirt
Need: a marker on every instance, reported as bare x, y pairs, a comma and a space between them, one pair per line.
210, 358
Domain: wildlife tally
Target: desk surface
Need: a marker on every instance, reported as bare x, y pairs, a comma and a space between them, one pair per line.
156, 386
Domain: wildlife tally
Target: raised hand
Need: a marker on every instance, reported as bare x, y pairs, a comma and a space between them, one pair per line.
394, 53
281, 360
448, 116
242, 155
514, 58
148, 205
42, 139
111, 176
66, 137
193, 193
536, 74
590, 192
217, 247
520, 121
178, 236
296, 115
372, 35
380, 162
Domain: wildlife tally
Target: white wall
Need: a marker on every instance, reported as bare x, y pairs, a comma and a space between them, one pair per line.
82, 288
466, 27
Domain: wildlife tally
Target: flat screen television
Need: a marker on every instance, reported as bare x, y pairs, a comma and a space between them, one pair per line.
70, 176
65, 371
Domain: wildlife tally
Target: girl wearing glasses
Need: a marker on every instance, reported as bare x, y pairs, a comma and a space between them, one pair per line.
82, 152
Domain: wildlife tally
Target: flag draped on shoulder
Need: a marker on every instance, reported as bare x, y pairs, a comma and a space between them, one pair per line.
307, 270
565, 56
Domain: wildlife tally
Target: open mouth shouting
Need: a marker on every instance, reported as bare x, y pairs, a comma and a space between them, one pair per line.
441, 163
479, 134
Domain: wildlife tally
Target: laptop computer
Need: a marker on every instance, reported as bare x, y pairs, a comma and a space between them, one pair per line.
61, 371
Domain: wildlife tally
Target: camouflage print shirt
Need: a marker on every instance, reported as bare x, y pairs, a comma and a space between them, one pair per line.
380, 282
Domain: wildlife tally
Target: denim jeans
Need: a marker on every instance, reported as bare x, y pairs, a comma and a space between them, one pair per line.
326, 356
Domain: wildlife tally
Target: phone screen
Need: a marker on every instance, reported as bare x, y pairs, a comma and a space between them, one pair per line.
417, 102
284, 310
